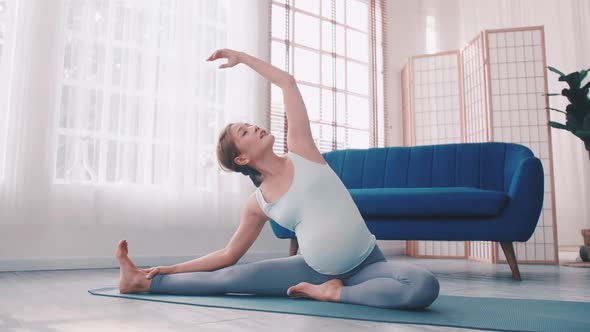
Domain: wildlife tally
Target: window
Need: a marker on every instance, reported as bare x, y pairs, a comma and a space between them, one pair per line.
135, 105
334, 49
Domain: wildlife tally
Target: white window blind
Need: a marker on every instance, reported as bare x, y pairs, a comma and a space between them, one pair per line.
335, 50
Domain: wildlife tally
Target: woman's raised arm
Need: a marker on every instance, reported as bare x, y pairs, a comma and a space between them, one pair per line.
277, 76
299, 137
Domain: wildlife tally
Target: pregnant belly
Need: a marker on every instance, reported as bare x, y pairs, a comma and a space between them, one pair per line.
330, 251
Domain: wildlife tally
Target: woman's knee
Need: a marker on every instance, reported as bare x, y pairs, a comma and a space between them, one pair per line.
427, 289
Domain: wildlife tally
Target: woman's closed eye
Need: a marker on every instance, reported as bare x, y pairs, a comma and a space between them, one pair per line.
246, 129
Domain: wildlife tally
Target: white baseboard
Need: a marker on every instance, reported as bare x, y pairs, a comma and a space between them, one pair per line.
76, 263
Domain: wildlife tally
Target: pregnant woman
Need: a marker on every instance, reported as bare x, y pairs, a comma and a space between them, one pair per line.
339, 260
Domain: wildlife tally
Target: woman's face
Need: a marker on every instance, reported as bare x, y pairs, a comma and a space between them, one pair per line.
250, 139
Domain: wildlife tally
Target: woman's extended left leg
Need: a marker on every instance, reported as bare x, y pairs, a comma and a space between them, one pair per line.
266, 277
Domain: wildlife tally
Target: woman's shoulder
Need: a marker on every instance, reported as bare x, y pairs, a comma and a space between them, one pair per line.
311, 156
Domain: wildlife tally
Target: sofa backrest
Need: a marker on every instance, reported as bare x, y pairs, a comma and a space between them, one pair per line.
485, 165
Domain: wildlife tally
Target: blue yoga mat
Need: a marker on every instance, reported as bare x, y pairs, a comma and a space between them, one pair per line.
486, 313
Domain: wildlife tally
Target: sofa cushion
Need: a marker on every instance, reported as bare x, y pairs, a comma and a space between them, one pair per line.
434, 201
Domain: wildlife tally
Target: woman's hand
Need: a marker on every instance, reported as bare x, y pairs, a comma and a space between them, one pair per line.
152, 271
233, 57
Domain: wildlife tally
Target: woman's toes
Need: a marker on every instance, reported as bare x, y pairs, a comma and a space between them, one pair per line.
302, 289
122, 249
294, 289
328, 291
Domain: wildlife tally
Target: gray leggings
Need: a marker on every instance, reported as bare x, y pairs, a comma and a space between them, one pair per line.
375, 282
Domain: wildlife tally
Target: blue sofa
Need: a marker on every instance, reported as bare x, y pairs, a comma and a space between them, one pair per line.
490, 191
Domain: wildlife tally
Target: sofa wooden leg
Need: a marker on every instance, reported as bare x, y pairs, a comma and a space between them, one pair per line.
293, 247
508, 249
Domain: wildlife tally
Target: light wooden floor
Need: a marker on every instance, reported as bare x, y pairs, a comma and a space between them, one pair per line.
59, 301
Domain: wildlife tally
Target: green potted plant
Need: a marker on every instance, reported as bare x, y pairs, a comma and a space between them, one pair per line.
577, 115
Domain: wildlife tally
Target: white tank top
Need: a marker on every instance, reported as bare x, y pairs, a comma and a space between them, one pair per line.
333, 237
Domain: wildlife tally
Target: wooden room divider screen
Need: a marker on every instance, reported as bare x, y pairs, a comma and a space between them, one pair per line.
493, 89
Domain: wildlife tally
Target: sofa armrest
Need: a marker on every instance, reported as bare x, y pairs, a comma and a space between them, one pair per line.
526, 192
528, 178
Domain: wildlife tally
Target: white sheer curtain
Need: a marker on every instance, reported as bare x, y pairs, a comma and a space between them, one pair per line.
566, 23
111, 117
6, 17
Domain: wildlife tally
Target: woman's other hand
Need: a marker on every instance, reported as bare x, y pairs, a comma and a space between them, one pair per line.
233, 57
152, 271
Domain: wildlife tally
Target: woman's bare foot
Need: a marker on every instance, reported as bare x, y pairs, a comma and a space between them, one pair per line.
131, 280
328, 291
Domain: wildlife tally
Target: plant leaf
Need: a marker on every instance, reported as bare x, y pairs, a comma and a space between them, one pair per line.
557, 125
573, 122
583, 134
555, 71
583, 74
554, 109
551, 94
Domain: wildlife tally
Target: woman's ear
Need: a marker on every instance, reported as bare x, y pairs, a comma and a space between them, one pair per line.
241, 160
